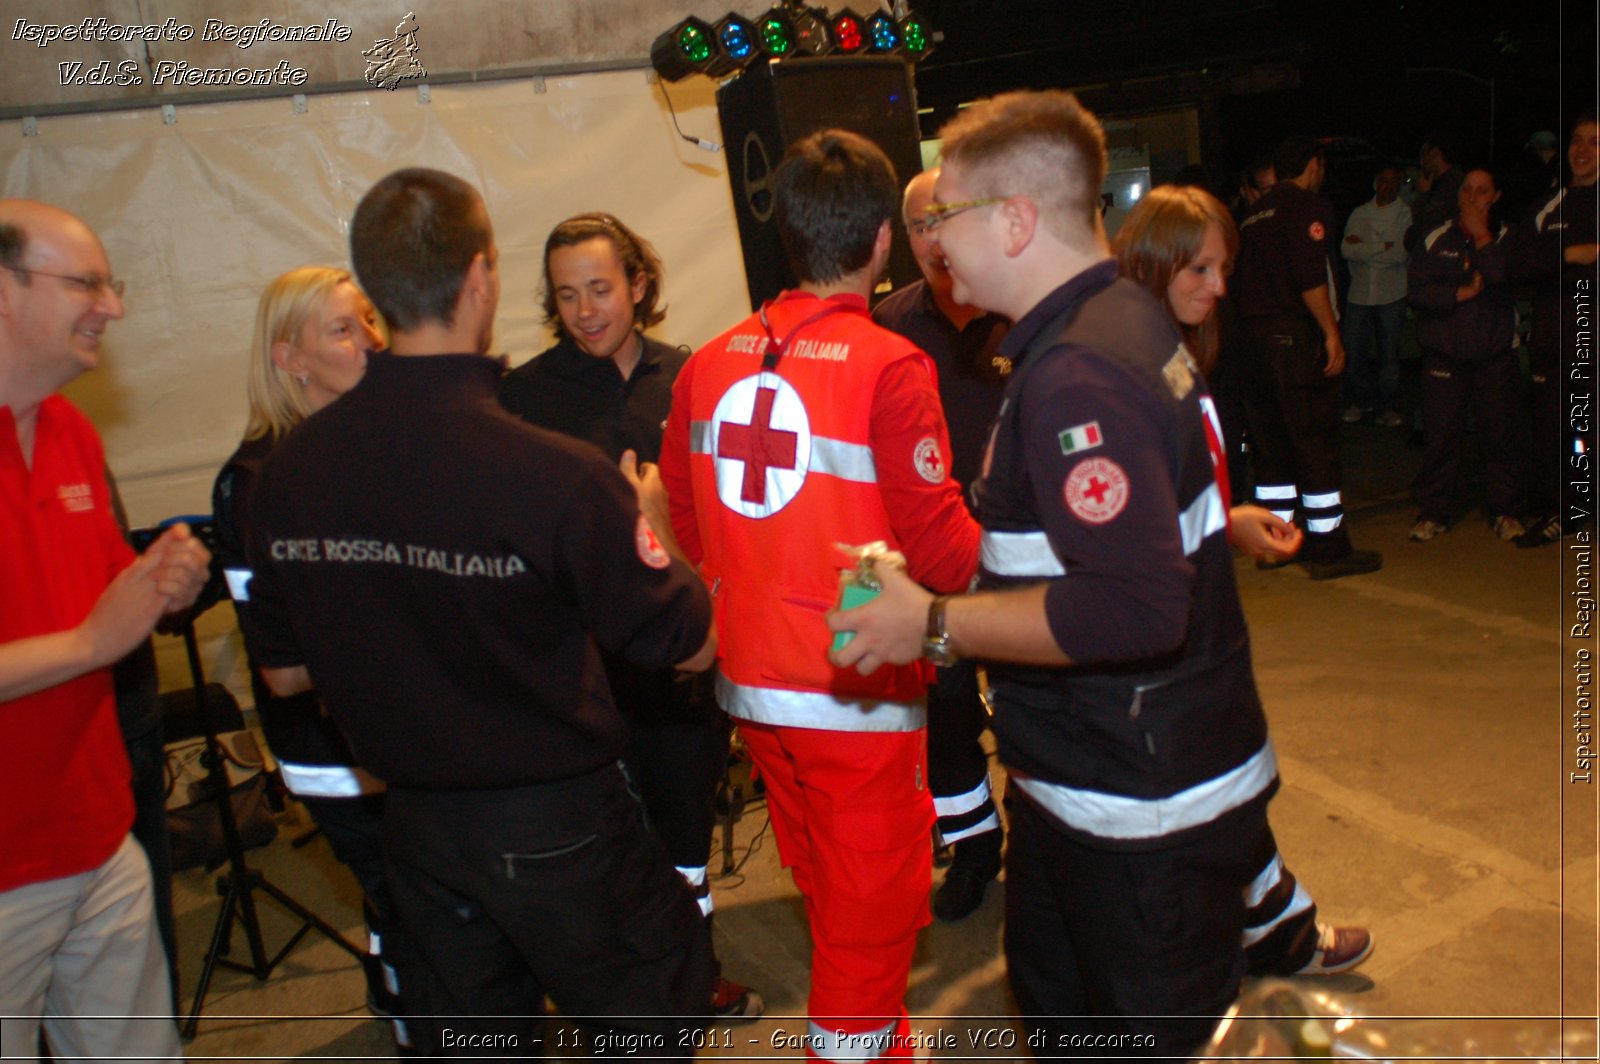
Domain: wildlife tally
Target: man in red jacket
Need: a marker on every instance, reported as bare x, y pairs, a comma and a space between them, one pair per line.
803, 428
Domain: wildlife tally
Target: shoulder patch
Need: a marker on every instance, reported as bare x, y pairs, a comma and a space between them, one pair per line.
1080, 438
928, 460
651, 552
1316, 232
1096, 490
1179, 372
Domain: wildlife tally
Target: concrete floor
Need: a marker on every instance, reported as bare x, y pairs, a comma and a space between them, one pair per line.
1421, 716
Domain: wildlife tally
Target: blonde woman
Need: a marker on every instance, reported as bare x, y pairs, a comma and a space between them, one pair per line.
313, 330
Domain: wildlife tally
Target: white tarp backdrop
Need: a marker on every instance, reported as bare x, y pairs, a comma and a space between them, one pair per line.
198, 214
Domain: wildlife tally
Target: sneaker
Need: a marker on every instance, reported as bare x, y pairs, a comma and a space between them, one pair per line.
1508, 528
1391, 420
1352, 414
1426, 528
735, 1003
1541, 533
964, 886
1353, 564
1339, 949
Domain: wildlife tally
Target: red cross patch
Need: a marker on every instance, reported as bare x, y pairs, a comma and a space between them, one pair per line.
928, 461
1316, 231
1096, 490
651, 552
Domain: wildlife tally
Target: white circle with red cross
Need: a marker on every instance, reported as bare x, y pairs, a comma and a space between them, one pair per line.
760, 445
1096, 490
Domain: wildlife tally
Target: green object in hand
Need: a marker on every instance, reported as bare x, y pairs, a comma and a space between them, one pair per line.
852, 596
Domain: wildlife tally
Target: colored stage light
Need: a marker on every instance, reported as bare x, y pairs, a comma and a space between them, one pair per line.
685, 50
737, 39
917, 36
812, 34
777, 34
883, 36
849, 31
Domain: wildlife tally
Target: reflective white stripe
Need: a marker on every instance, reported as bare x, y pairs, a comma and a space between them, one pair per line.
837, 458
1019, 554
696, 878
988, 823
957, 804
1322, 524
836, 1045
817, 709
374, 944
326, 781
238, 583
1297, 905
1282, 515
847, 461
1427, 241
1320, 502
1204, 517
1275, 491
1117, 816
1538, 219
391, 980
1262, 885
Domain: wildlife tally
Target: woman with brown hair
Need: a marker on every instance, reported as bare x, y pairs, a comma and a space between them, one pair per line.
1179, 244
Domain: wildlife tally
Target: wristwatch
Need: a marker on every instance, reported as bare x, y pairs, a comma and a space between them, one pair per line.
936, 640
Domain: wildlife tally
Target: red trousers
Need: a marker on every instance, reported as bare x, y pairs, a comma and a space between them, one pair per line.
852, 815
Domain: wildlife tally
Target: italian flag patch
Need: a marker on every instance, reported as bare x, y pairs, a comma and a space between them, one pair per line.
1081, 438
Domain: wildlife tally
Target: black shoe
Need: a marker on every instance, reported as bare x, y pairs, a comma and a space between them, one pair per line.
1541, 533
964, 886
1353, 564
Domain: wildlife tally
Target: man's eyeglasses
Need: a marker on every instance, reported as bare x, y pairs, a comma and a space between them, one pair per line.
91, 283
936, 214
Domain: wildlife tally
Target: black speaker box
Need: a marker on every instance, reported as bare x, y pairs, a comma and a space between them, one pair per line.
769, 107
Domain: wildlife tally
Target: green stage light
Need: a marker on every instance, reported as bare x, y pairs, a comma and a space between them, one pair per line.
777, 34
686, 49
917, 37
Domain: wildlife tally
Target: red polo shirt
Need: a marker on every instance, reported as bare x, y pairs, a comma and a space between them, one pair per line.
65, 799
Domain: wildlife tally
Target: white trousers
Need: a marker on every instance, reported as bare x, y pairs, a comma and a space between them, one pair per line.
82, 955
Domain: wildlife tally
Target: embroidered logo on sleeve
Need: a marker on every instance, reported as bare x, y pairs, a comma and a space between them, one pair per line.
1080, 438
75, 498
1096, 490
1316, 231
929, 461
651, 552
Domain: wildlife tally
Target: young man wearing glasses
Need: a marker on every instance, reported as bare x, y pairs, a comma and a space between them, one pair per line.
1126, 709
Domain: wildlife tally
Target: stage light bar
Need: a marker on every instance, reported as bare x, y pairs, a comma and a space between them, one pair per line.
789, 28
